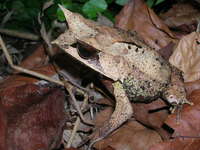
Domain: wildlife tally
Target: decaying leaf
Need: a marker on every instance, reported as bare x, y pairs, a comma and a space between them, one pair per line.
132, 135
189, 121
186, 132
136, 16
32, 117
37, 59
191, 86
152, 114
187, 55
182, 16
178, 144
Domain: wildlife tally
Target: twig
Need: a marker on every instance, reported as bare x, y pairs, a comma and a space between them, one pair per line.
29, 72
77, 123
70, 88
20, 34
6, 18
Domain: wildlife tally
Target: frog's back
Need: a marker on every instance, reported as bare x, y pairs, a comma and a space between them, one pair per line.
150, 75
139, 87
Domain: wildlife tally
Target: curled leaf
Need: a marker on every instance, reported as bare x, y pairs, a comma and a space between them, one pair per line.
187, 55
136, 16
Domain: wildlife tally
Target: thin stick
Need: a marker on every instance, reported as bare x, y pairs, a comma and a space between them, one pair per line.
29, 72
6, 18
20, 34
69, 88
77, 123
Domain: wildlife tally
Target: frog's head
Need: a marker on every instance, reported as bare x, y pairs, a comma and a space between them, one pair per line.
103, 63
176, 96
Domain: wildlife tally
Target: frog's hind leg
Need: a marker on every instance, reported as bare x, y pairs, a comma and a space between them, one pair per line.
123, 111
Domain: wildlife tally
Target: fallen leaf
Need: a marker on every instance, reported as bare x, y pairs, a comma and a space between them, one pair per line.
32, 117
182, 16
71, 148
131, 135
153, 114
109, 148
191, 86
19, 79
37, 59
188, 124
178, 144
136, 16
187, 55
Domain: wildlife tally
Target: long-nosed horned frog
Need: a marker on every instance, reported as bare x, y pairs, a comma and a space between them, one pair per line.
139, 73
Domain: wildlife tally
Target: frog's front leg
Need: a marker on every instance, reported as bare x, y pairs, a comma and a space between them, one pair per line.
175, 94
123, 111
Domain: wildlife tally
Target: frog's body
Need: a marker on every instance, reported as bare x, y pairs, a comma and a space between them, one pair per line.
139, 73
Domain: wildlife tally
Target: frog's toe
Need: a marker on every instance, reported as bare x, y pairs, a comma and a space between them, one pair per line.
185, 101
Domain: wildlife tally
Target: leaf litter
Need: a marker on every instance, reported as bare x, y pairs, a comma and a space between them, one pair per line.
144, 132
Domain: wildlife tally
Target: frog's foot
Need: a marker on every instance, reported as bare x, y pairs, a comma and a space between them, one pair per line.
178, 106
123, 111
185, 101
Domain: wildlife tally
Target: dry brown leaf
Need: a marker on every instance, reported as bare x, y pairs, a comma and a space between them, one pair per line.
191, 86
178, 144
187, 55
182, 16
71, 148
37, 59
109, 148
186, 133
136, 16
189, 120
152, 114
32, 117
18, 80
132, 135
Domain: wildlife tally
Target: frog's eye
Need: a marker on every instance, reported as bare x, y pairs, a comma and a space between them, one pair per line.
86, 51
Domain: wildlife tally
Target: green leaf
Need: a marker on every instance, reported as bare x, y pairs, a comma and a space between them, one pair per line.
82, 1
17, 5
60, 15
93, 7
74, 7
109, 1
110, 15
150, 3
121, 2
51, 12
2, 6
159, 1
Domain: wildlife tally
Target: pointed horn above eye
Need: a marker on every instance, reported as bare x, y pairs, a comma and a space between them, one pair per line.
66, 12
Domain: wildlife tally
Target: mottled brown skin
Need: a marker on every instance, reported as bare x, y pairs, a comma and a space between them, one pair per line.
140, 74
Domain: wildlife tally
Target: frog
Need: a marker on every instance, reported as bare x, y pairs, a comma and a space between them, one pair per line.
139, 73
